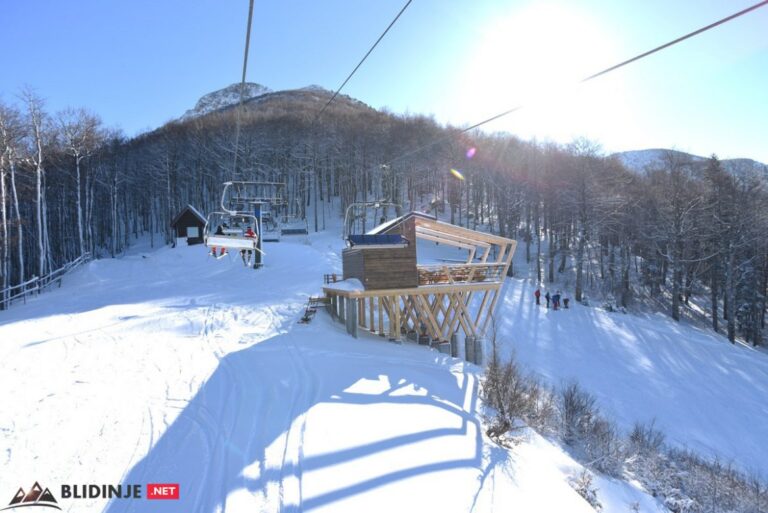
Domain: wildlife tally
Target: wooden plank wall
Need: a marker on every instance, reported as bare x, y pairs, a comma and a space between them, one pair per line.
390, 268
385, 268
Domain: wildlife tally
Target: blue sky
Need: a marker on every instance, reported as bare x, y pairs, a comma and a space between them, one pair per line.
139, 63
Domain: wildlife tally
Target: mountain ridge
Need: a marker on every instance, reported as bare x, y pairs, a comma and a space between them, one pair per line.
643, 161
256, 94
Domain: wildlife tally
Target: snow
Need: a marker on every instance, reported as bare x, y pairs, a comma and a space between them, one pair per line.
705, 394
225, 97
641, 161
169, 366
348, 285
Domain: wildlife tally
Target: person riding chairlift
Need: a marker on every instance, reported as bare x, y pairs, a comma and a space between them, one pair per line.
219, 231
247, 252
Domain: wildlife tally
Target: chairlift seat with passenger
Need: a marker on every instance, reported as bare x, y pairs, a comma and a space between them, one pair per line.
225, 230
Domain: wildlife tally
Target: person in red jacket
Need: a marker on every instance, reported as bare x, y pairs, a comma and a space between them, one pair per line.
246, 254
537, 295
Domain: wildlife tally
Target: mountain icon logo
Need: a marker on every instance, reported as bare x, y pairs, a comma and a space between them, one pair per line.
37, 496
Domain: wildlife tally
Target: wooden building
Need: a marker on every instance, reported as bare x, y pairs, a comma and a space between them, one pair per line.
189, 223
397, 296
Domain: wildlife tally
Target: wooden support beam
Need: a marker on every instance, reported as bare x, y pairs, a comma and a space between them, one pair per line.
396, 305
491, 308
471, 254
486, 253
460, 296
432, 324
482, 305
381, 315
458, 231
449, 241
421, 290
372, 326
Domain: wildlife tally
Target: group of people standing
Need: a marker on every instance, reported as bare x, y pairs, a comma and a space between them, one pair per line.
553, 298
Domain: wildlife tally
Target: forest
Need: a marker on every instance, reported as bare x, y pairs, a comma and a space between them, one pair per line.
685, 237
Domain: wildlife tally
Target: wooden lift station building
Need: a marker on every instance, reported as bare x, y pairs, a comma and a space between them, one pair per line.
394, 295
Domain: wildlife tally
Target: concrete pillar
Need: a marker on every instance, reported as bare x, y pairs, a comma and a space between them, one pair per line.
332, 308
469, 348
479, 350
351, 316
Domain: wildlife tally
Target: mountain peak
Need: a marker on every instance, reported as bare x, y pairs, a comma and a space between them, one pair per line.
225, 97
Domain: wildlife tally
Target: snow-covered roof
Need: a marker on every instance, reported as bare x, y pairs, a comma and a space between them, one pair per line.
192, 209
393, 222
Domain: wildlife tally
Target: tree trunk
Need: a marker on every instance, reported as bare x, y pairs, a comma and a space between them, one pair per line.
19, 225
730, 292
580, 248
4, 263
78, 196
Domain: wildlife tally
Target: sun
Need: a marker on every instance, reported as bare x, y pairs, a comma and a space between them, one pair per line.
535, 56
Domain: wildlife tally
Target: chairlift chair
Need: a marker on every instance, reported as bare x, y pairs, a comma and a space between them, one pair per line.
270, 227
232, 233
294, 225
357, 218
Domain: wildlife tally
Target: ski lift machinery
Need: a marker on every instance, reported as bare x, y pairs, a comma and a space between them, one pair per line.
244, 204
358, 216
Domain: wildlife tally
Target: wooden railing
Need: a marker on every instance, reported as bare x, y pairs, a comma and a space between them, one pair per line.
459, 273
36, 284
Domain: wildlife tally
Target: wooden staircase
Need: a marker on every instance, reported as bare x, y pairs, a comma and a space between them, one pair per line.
311, 309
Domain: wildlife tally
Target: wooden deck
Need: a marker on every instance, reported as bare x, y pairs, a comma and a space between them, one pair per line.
398, 296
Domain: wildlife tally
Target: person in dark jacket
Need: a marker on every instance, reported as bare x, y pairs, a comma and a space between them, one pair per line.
566, 300
547, 297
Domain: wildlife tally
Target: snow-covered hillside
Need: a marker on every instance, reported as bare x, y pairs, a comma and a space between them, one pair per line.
225, 97
169, 366
641, 161
703, 392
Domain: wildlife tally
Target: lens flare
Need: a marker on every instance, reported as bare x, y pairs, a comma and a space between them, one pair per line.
457, 174
471, 152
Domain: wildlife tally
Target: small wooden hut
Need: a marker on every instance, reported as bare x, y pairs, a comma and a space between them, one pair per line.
189, 223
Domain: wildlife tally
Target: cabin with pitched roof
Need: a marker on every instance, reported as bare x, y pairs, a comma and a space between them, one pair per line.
189, 223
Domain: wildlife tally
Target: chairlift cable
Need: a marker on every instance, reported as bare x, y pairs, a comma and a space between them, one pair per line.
588, 78
364, 58
242, 89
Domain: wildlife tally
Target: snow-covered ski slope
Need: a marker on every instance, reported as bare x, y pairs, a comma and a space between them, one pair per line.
703, 392
168, 366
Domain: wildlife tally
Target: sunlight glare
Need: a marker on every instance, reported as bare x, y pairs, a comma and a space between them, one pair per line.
535, 57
